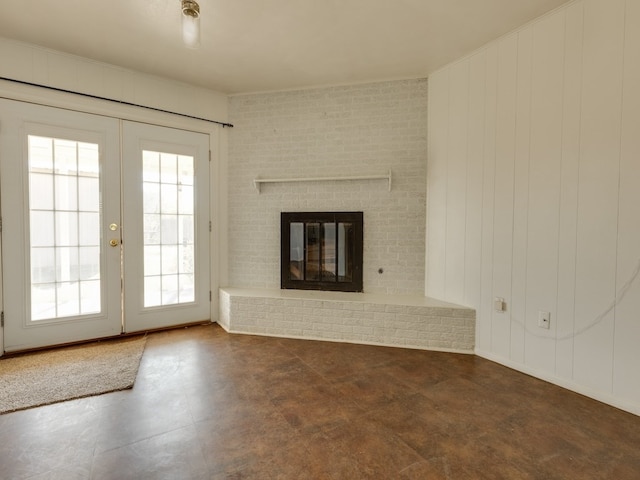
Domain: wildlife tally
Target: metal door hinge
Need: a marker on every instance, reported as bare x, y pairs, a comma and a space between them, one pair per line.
2, 319
209, 225
209, 155
209, 300
0, 224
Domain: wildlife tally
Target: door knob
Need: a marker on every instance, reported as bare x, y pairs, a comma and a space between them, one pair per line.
113, 242
113, 227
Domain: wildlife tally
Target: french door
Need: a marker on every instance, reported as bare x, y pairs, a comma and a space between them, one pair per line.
166, 226
104, 226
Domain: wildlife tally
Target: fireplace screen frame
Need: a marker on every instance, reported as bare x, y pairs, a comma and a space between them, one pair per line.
351, 233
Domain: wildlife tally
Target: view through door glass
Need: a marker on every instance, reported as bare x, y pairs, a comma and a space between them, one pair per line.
64, 212
168, 224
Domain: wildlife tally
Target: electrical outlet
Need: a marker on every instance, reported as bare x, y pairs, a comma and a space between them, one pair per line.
544, 319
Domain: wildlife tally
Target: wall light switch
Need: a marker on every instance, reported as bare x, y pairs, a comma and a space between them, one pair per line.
499, 304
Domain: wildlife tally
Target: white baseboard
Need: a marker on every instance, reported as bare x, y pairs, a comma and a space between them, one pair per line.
627, 406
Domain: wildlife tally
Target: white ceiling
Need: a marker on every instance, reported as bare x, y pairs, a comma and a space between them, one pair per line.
266, 45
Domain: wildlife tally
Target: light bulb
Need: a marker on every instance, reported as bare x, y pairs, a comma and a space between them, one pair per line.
191, 31
191, 23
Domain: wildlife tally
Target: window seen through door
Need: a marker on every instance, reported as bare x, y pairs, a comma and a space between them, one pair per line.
64, 213
168, 209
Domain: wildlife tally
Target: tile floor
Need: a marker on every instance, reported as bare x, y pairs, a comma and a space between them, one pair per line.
209, 405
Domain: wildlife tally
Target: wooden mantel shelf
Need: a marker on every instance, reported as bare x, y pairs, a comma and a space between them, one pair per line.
257, 182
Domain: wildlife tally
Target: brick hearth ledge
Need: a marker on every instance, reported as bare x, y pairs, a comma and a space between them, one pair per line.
409, 321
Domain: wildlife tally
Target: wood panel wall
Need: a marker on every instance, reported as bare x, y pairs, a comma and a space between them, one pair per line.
533, 191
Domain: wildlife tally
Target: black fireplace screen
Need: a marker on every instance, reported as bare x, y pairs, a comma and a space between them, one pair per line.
321, 251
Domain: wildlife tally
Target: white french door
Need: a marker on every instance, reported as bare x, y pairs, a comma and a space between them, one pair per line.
166, 226
98, 214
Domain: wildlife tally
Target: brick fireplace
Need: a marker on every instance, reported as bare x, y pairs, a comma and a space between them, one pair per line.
354, 132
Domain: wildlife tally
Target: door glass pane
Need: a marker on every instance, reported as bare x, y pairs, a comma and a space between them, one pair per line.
89, 263
89, 193
151, 229
67, 264
42, 188
65, 218
169, 260
89, 228
42, 228
185, 170
66, 228
169, 198
65, 156
168, 228
43, 265
66, 188
89, 296
150, 166
152, 290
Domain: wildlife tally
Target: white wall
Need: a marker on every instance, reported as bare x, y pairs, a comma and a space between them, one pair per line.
34, 64
337, 131
533, 193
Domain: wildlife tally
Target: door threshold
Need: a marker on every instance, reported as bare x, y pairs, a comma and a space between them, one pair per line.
17, 353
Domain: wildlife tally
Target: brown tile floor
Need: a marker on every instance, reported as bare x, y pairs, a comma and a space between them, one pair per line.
208, 405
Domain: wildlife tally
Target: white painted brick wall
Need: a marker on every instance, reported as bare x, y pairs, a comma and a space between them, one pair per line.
355, 318
351, 130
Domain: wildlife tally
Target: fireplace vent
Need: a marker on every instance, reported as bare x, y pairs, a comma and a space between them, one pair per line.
321, 251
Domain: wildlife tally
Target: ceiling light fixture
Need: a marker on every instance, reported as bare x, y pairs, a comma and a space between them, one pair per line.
191, 23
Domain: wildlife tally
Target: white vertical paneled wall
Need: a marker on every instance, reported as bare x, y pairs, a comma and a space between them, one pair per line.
474, 175
437, 153
542, 211
598, 193
521, 195
626, 351
569, 170
456, 180
503, 197
533, 186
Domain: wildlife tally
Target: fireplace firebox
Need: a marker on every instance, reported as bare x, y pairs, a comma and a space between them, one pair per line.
321, 251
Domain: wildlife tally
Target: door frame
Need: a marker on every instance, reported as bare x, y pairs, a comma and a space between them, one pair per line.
218, 171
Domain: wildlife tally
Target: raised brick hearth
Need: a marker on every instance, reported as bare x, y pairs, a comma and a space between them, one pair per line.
392, 320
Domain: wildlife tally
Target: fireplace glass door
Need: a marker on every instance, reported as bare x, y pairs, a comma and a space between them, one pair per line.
322, 251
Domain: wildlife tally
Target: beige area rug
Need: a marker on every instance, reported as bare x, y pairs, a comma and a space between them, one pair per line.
52, 376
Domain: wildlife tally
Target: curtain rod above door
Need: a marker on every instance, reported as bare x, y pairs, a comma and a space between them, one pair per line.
121, 102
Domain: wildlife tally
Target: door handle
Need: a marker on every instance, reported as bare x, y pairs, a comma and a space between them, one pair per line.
113, 242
